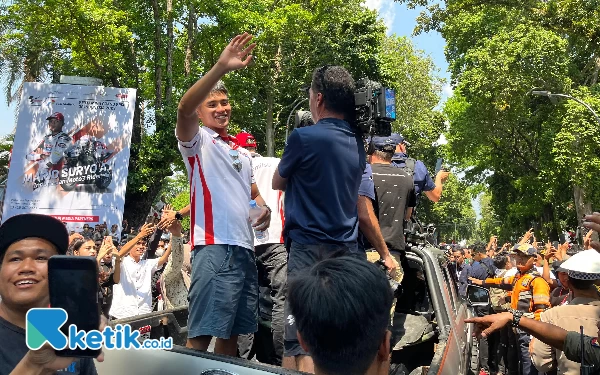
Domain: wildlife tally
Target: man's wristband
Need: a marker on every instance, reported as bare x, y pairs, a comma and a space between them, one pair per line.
267, 207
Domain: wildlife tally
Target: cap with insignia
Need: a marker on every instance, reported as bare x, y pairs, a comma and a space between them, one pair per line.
584, 265
525, 249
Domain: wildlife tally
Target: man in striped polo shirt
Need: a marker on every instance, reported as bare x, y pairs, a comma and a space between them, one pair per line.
224, 283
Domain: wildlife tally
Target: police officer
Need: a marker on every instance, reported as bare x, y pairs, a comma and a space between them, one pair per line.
582, 311
422, 180
586, 265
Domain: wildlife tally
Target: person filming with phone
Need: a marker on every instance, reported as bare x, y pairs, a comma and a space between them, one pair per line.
133, 294
423, 181
26, 244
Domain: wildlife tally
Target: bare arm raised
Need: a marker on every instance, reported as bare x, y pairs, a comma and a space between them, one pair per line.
235, 56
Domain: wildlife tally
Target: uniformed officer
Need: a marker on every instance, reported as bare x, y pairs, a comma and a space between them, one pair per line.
585, 266
583, 270
530, 296
422, 179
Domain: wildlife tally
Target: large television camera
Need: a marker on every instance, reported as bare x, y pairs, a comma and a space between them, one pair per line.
375, 109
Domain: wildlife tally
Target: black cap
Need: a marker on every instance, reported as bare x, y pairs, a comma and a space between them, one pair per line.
33, 225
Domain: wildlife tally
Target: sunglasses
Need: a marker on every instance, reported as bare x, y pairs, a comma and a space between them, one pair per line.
236, 162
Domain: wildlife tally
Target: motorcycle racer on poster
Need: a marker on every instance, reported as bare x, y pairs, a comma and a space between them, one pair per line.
91, 156
50, 155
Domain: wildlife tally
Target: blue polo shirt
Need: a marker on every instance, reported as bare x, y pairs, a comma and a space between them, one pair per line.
367, 186
323, 165
477, 271
422, 179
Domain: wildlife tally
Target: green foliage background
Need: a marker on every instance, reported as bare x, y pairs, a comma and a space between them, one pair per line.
161, 48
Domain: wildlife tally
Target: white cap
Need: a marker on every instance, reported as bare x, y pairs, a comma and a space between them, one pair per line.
584, 265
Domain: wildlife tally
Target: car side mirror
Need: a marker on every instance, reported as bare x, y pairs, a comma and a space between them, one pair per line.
478, 296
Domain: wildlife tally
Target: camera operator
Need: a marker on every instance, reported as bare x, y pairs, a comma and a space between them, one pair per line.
320, 171
422, 179
394, 202
26, 243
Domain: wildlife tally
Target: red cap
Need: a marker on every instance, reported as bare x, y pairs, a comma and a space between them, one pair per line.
246, 139
57, 115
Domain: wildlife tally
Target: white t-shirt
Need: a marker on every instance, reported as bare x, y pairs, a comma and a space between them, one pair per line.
133, 294
159, 206
511, 272
220, 195
264, 168
541, 271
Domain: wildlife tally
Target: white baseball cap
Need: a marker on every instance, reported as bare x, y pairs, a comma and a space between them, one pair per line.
584, 265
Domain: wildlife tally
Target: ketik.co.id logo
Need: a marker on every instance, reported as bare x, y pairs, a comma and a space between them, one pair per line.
43, 326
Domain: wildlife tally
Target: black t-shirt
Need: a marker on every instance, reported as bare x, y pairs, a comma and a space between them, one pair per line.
13, 349
394, 193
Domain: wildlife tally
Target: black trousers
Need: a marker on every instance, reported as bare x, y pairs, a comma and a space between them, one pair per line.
267, 343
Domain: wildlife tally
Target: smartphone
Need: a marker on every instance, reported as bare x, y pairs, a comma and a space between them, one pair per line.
438, 165
150, 219
73, 284
555, 245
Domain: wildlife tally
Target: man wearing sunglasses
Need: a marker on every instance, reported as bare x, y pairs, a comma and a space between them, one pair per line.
224, 283
321, 170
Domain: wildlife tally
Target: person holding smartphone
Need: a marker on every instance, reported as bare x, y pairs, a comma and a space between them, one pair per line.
133, 294
26, 243
109, 265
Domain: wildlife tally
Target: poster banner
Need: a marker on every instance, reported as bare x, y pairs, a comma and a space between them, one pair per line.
71, 153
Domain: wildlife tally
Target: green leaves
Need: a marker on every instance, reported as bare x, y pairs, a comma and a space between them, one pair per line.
129, 44
531, 154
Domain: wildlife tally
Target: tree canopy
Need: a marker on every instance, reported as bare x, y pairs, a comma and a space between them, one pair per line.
161, 48
538, 158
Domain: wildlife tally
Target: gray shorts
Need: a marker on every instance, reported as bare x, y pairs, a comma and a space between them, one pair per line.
300, 258
223, 292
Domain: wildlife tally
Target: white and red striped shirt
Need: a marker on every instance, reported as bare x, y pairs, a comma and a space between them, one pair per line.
264, 168
219, 194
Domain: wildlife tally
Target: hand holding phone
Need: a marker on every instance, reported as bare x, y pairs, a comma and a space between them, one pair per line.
73, 286
438, 165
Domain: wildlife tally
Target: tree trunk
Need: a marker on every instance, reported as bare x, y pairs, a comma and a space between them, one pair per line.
157, 59
170, 38
582, 205
548, 217
596, 71
191, 36
269, 133
269, 128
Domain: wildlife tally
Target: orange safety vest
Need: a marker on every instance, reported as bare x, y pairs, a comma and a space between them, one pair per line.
525, 296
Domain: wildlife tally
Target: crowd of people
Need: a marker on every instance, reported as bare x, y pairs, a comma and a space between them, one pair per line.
548, 282
291, 286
